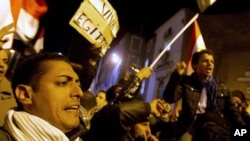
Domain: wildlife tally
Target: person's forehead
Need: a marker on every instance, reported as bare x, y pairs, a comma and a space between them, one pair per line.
235, 97
59, 67
206, 56
101, 94
143, 123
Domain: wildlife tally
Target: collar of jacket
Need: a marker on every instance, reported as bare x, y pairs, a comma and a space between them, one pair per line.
75, 133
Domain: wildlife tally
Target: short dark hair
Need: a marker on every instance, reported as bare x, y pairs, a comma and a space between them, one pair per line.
197, 55
113, 93
31, 69
239, 94
88, 100
101, 91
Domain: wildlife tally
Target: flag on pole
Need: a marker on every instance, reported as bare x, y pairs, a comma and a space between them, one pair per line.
197, 44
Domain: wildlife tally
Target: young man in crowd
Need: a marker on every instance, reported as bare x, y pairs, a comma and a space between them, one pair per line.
198, 95
101, 100
47, 91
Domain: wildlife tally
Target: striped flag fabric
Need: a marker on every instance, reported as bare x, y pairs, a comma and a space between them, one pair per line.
197, 44
24, 16
6, 25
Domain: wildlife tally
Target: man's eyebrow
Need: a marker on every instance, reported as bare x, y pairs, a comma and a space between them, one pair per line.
77, 80
69, 77
66, 76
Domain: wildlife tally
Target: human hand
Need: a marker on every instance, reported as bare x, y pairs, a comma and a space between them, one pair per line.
181, 67
144, 73
157, 107
152, 138
166, 112
177, 109
148, 137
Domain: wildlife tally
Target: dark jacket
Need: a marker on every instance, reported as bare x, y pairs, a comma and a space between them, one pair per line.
112, 122
188, 88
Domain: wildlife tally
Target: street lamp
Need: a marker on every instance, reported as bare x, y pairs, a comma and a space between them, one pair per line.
115, 67
116, 59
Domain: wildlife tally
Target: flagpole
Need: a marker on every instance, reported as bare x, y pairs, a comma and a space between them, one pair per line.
172, 41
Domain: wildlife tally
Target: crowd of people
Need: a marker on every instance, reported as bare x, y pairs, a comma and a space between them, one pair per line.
44, 101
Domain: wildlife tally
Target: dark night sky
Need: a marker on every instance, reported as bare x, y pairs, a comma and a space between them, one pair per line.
140, 16
146, 16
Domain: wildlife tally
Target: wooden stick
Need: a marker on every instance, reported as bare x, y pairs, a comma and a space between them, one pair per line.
173, 40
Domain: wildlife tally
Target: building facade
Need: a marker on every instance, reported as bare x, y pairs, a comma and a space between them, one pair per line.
227, 38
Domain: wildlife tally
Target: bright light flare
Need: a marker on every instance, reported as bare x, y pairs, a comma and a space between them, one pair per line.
115, 58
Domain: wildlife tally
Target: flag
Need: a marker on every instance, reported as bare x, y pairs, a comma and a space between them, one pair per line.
24, 17
197, 44
6, 24
38, 44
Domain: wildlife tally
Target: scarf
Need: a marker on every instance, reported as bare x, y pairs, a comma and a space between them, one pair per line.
85, 118
26, 127
211, 89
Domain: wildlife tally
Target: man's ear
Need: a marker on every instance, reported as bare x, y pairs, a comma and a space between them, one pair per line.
91, 112
24, 94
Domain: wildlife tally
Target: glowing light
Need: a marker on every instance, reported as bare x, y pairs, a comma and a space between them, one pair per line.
115, 58
12, 51
59, 53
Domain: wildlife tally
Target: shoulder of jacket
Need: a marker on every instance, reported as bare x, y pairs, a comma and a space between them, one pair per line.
219, 80
4, 135
223, 90
221, 83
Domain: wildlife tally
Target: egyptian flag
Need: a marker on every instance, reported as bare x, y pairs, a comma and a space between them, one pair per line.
20, 20
196, 44
6, 24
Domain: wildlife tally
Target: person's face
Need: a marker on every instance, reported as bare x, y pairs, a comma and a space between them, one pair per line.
57, 99
141, 130
4, 59
205, 66
237, 103
101, 99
